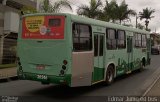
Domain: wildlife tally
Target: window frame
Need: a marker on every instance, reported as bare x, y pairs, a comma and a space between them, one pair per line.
107, 39
101, 45
124, 46
144, 46
96, 45
138, 41
90, 44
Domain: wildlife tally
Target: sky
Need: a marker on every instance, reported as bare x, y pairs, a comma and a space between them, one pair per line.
137, 5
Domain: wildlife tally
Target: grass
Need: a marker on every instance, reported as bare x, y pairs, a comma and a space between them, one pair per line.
7, 65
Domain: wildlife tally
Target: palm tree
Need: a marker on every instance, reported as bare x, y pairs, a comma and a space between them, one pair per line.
146, 14
46, 6
114, 12
28, 10
110, 11
124, 12
92, 11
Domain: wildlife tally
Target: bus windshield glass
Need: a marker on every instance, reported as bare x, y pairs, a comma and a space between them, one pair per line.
43, 27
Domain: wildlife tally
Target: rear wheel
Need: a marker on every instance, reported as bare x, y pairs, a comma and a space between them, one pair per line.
142, 65
109, 75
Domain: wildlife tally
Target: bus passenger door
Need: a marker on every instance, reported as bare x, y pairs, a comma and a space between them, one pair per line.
130, 53
98, 73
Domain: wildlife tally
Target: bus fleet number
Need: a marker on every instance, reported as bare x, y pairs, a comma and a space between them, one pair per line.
42, 77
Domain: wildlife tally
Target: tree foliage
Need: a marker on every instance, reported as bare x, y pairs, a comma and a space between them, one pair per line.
91, 11
28, 10
110, 10
47, 6
147, 15
113, 11
123, 12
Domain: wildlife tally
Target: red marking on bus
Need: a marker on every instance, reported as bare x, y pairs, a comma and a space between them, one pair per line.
53, 32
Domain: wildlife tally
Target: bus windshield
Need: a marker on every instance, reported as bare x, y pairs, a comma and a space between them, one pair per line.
43, 27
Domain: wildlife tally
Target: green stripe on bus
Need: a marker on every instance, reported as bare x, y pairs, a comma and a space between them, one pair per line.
51, 78
98, 74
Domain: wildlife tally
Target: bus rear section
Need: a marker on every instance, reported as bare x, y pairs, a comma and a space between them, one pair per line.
43, 49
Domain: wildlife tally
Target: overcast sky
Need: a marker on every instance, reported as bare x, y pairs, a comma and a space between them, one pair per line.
136, 5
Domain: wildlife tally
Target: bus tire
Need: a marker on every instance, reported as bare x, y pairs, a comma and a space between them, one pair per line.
110, 75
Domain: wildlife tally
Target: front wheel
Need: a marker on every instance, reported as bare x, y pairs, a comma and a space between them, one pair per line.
109, 75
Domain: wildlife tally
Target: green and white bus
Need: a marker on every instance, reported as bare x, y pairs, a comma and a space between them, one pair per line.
77, 51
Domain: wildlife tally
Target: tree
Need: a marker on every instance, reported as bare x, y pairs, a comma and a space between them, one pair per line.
147, 15
91, 11
28, 10
46, 6
110, 11
123, 12
114, 12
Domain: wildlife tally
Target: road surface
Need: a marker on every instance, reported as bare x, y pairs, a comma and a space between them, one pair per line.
134, 84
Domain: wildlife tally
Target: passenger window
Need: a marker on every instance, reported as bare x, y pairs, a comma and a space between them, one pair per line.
82, 37
95, 45
143, 40
121, 41
111, 39
138, 40
101, 45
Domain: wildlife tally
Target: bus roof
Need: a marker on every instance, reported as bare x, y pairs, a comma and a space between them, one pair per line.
106, 24
86, 20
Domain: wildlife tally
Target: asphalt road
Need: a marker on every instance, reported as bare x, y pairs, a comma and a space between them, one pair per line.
134, 84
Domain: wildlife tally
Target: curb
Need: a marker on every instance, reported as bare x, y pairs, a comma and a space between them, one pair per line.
12, 78
7, 73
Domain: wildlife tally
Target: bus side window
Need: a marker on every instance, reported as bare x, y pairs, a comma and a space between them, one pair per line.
95, 45
121, 41
82, 37
111, 39
101, 46
144, 41
75, 30
138, 40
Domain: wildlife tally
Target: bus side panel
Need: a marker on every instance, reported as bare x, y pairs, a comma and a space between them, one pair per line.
82, 68
138, 54
148, 50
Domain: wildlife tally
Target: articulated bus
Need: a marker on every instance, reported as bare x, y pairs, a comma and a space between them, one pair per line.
77, 51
